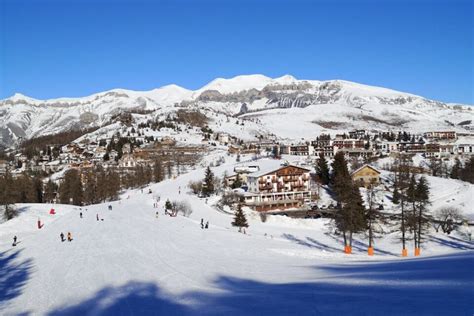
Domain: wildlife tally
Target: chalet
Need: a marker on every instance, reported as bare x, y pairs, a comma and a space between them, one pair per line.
284, 150
465, 149
283, 188
301, 150
242, 172
432, 150
223, 138
441, 135
327, 151
413, 147
366, 175
127, 161
357, 134
126, 148
342, 142
357, 152
446, 149
389, 147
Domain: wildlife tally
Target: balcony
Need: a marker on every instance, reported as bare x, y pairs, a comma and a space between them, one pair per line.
264, 187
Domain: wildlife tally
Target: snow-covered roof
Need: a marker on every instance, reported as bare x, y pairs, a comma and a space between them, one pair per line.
368, 166
270, 169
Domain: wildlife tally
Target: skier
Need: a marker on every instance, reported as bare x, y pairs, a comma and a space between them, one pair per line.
14, 241
62, 237
149, 191
110, 207
156, 214
80, 214
202, 223
97, 216
69, 236
207, 225
179, 190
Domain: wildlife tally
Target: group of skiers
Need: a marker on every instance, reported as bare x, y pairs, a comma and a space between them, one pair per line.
69, 237
204, 226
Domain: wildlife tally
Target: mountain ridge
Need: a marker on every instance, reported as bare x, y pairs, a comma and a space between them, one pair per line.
332, 105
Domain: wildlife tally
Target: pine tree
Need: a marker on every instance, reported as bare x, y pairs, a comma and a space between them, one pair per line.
349, 217
157, 171
168, 205
396, 194
113, 185
322, 169
50, 191
208, 185
373, 215
237, 183
25, 189
101, 184
70, 189
239, 219
422, 193
411, 198
402, 180
38, 189
467, 173
8, 195
90, 187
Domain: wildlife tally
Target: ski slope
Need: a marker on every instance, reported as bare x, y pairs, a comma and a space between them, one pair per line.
131, 263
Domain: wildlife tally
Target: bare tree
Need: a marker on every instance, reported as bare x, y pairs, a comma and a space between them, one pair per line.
446, 218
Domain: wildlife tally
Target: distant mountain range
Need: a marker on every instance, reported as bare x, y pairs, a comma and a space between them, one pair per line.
284, 106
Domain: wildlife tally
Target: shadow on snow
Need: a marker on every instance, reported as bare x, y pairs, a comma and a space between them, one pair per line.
428, 286
14, 275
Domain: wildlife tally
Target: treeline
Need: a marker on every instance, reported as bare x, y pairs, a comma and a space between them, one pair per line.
91, 186
463, 172
354, 216
78, 187
33, 146
23, 189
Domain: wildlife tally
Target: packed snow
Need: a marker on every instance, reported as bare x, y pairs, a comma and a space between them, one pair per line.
129, 262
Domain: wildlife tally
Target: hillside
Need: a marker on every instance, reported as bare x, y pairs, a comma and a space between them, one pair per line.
132, 263
274, 105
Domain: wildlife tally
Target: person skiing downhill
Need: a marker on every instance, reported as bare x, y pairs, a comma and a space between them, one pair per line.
207, 225
69, 236
156, 214
62, 237
14, 241
202, 223
97, 216
80, 214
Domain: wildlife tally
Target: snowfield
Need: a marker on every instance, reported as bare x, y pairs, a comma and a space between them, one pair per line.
132, 263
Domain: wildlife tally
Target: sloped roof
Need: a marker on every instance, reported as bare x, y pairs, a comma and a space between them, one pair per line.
271, 169
368, 166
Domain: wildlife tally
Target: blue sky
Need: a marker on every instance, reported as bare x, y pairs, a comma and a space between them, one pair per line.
74, 48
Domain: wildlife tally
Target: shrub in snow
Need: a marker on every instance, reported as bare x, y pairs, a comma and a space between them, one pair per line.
182, 207
195, 186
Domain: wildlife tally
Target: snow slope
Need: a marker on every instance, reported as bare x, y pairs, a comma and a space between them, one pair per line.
132, 263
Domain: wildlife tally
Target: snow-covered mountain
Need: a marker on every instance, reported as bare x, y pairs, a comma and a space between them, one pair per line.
284, 106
